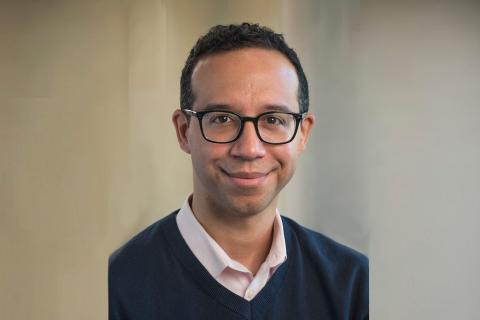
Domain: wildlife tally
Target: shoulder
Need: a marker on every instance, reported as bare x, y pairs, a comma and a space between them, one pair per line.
332, 255
135, 268
338, 270
143, 247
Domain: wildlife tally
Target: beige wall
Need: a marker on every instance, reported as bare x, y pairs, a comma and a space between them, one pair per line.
419, 96
88, 156
64, 154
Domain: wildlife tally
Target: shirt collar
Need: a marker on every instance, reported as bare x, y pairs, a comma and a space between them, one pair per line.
212, 256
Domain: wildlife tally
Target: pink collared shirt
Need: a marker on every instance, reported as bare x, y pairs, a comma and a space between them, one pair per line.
228, 272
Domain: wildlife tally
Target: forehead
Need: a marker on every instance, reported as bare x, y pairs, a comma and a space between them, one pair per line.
246, 80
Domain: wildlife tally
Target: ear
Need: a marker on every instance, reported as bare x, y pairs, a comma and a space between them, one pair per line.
180, 122
305, 128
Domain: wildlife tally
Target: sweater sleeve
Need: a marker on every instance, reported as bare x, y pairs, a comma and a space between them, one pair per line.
360, 298
115, 306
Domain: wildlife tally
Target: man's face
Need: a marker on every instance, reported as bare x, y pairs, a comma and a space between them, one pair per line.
243, 177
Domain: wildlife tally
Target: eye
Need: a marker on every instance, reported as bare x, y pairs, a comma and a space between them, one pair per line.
273, 120
221, 119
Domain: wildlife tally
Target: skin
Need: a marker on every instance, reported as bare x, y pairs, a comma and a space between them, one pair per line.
236, 185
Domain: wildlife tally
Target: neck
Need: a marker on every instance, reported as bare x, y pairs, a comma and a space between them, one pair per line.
245, 238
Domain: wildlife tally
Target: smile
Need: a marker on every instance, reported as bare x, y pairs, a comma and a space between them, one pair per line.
246, 179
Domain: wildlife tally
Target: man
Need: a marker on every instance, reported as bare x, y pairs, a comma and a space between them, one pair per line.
227, 253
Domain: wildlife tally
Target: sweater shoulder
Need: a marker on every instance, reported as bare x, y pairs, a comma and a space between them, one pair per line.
338, 270
322, 248
142, 246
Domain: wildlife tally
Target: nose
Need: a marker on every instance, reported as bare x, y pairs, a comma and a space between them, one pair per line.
248, 146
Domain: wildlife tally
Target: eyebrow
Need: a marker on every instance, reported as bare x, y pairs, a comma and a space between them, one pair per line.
275, 107
226, 107
210, 107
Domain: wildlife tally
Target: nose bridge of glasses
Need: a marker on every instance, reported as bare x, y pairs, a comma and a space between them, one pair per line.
253, 120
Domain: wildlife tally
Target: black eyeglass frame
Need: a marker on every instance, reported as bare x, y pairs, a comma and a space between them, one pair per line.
200, 114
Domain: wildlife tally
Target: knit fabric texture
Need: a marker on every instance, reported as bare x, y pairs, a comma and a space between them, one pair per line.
156, 276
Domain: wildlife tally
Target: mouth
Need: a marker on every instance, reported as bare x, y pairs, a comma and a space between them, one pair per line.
246, 179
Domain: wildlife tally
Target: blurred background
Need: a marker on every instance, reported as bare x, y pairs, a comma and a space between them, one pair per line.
88, 155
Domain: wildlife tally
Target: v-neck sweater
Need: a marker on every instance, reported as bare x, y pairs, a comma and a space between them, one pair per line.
229, 272
156, 276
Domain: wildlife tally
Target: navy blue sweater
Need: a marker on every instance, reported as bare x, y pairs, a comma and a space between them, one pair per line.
156, 276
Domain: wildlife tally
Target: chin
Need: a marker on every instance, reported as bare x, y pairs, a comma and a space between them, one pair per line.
248, 205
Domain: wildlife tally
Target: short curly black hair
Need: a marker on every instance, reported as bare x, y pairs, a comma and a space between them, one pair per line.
222, 38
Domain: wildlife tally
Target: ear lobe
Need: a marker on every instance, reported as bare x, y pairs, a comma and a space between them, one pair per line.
180, 122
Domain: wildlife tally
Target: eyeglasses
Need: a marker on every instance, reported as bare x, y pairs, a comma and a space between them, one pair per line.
273, 127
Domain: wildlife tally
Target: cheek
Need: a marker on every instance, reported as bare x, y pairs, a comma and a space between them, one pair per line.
205, 154
287, 160
287, 157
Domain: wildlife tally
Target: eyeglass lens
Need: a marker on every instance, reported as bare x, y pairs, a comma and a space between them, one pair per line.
224, 127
